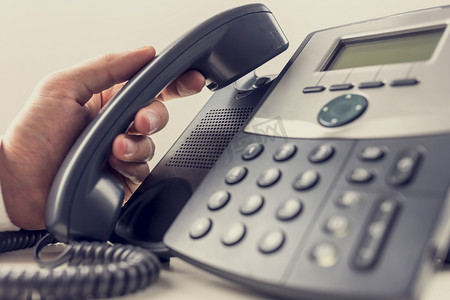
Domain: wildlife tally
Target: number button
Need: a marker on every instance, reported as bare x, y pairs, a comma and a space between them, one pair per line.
218, 200
272, 241
200, 228
269, 177
252, 151
234, 234
236, 174
285, 152
290, 209
252, 205
306, 180
321, 153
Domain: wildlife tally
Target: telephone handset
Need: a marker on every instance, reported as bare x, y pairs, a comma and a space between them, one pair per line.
85, 200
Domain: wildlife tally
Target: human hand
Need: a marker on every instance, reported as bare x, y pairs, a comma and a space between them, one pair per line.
59, 109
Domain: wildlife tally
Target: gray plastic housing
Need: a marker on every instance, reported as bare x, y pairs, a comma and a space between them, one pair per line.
85, 199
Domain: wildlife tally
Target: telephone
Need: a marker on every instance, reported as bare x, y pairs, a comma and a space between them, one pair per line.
328, 181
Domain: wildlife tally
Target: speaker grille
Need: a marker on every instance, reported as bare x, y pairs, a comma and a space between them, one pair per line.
208, 140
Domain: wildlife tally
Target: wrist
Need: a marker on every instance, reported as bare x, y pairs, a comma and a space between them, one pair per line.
5, 220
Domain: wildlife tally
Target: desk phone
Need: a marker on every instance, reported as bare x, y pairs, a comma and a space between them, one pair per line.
337, 185
328, 181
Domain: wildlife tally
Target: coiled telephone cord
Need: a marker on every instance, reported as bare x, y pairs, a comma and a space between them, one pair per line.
94, 269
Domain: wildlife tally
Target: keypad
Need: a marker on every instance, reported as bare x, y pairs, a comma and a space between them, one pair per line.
294, 200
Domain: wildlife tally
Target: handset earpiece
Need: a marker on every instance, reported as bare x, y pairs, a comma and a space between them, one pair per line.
85, 198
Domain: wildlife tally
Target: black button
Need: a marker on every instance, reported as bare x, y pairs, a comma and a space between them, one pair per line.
313, 89
404, 82
376, 233
361, 175
242, 94
371, 84
342, 110
338, 226
218, 200
350, 200
261, 81
290, 209
272, 241
252, 151
252, 204
325, 254
341, 87
236, 174
269, 177
371, 153
234, 234
405, 167
306, 180
200, 228
285, 152
321, 153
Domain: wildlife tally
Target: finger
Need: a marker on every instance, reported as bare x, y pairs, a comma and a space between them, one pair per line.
133, 148
187, 84
83, 81
150, 119
135, 172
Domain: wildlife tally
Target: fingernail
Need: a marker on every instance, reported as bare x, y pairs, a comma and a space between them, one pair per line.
130, 147
154, 121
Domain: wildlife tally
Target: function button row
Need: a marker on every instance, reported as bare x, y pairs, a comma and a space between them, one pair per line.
376, 232
402, 172
362, 85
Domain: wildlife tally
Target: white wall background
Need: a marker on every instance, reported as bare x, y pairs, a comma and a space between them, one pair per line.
39, 37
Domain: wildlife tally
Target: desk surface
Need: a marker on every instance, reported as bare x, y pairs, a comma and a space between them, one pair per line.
39, 37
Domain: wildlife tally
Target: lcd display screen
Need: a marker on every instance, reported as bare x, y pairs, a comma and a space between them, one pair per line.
390, 49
